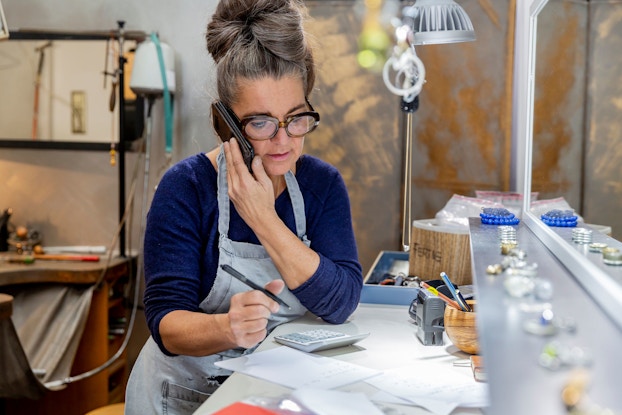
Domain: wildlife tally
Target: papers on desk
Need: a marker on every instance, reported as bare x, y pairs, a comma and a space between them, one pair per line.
335, 402
433, 386
284, 366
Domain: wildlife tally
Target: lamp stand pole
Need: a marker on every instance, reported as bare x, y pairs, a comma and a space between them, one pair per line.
408, 108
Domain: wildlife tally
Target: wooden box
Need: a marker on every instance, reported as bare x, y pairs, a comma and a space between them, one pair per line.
437, 248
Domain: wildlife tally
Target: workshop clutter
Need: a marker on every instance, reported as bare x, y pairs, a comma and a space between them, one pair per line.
17, 238
436, 248
23, 245
442, 244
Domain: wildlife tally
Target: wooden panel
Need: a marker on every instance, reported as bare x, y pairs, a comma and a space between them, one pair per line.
64, 272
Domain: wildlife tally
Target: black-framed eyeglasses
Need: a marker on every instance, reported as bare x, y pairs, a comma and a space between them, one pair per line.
264, 127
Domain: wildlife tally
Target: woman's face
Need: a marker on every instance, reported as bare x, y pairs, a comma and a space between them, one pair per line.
278, 98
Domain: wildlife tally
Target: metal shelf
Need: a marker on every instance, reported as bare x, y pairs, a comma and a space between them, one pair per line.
518, 383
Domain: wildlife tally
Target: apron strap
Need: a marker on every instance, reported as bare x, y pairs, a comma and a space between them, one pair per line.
224, 213
223, 195
298, 204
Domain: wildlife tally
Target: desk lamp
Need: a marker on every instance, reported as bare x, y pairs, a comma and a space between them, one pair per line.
426, 22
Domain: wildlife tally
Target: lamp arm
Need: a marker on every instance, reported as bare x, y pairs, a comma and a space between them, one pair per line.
409, 71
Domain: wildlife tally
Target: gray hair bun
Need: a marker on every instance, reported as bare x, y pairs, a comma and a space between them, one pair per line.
253, 38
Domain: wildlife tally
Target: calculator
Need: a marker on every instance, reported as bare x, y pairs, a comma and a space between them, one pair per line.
318, 339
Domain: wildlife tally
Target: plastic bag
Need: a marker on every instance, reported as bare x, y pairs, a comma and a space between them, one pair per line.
459, 209
512, 201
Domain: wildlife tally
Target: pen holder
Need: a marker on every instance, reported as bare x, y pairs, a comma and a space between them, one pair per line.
461, 328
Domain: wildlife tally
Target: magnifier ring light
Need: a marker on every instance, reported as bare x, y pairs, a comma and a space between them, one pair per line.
408, 67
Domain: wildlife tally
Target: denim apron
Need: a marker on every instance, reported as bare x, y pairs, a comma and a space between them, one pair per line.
161, 384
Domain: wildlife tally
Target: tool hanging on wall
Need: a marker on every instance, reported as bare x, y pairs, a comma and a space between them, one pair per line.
35, 116
114, 74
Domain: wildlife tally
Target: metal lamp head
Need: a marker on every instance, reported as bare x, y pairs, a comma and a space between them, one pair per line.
437, 22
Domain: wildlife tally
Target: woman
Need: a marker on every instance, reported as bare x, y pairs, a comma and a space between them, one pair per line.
286, 226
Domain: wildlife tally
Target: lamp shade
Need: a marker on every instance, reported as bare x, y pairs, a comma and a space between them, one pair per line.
438, 21
146, 76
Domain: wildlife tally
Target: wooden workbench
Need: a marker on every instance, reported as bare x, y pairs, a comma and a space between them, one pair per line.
96, 345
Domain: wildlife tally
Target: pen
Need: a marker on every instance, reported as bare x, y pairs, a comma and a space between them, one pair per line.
251, 284
442, 296
455, 293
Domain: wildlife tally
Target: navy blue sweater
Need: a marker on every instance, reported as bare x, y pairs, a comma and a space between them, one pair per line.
181, 240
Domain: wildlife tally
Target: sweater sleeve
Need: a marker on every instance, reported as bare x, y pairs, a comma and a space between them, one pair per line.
334, 290
180, 249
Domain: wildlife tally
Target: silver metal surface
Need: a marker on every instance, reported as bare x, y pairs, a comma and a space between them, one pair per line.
518, 384
600, 280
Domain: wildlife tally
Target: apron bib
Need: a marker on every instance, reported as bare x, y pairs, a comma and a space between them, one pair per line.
162, 384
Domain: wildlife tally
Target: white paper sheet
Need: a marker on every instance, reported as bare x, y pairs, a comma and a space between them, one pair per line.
438, 388
335, 402
295, 369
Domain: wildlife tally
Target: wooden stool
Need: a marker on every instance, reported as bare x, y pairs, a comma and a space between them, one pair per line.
114, 409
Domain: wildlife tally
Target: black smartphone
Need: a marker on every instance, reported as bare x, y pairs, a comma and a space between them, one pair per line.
227, 125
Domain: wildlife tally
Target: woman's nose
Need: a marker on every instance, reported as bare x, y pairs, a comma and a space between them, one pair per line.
281, 136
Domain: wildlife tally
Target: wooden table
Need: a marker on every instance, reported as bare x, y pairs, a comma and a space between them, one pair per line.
96, 345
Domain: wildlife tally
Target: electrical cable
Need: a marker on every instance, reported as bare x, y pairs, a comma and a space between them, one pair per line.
137, 275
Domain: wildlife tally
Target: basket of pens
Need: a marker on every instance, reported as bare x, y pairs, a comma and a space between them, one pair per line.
459, 320
461, 328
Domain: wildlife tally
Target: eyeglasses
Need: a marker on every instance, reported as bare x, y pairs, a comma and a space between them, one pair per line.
263, 127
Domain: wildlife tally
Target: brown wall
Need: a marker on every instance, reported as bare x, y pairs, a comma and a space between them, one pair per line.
577, 123
461, 130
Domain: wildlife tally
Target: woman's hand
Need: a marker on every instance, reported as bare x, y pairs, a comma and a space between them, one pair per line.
249, 313
253, 197
200, 334
251, 194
